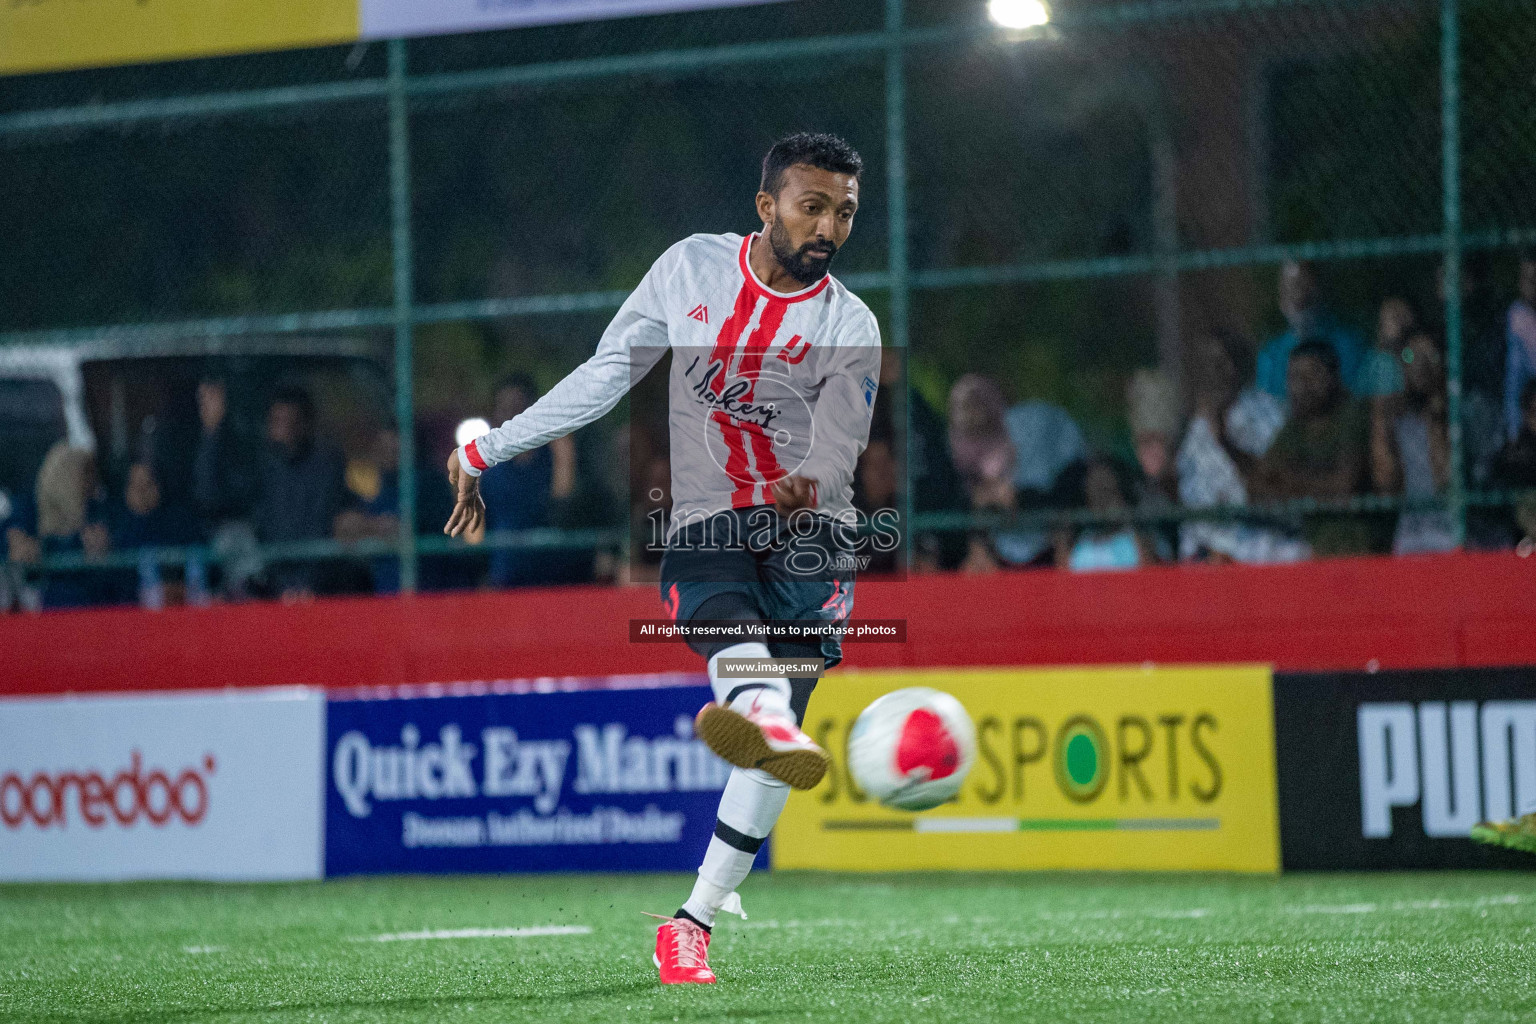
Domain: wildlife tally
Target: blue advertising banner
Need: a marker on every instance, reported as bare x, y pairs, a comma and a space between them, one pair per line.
592, 780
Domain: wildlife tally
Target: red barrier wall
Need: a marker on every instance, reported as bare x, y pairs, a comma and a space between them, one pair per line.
1438, 611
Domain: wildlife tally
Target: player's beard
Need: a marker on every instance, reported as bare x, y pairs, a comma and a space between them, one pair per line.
799, 263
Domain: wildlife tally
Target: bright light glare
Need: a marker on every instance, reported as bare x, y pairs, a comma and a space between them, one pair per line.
1018, 13
469, 430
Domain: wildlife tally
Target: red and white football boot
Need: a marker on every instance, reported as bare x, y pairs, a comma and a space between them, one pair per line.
760, 738
682, 952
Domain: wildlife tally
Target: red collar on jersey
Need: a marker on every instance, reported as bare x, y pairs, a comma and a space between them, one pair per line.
768, 293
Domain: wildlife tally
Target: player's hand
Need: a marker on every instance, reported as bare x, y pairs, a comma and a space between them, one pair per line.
791, 493
468, 507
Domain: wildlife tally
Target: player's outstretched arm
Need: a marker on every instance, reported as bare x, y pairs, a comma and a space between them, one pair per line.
634, 342
468, 507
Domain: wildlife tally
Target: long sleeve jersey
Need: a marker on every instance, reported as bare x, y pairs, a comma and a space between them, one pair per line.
764, 384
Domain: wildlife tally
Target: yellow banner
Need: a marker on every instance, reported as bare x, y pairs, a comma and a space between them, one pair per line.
46, 35
1097, 768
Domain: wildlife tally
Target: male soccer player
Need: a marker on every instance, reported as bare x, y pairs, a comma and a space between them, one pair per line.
774, 371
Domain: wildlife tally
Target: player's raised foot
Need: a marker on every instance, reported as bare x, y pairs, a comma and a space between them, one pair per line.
762, 739
682, 952
1515, 834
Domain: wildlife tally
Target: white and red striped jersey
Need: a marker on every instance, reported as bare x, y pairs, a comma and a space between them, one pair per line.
764, 384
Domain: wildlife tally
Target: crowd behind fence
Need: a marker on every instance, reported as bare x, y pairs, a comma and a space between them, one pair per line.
1172, 282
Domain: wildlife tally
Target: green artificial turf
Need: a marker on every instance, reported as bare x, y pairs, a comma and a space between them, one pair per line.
952, 948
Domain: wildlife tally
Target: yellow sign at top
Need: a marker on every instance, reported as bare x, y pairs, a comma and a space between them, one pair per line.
1107, 768
50, 35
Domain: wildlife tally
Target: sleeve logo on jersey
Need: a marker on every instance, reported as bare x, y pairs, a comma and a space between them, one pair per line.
869, 392
699, 313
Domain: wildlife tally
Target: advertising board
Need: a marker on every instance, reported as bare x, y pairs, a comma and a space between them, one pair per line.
1112, 768
591, 780
195, 785
1392, 769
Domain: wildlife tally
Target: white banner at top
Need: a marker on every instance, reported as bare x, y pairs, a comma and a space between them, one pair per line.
385, 19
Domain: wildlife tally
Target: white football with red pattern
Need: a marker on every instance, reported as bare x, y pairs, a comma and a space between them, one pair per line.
912, 748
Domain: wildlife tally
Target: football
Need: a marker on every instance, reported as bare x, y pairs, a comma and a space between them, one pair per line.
912, 748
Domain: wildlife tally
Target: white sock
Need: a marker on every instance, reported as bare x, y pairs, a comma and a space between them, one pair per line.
749, 807
767, 691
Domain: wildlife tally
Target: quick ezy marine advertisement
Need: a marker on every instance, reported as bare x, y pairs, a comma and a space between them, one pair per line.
598, 780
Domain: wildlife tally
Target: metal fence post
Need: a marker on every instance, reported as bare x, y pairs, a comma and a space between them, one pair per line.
1450, 143
896, 253
400, 244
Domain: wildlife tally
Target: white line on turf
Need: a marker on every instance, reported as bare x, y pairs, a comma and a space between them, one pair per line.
479, 933
203, 949
1502, 900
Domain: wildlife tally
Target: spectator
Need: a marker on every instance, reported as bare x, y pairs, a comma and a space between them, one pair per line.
1515, 467
1381, 370
1154, 414
302, 490
1411, 449
875, 487
936, 486
1231, 429
376, 514
1306, 319
69, 521
1520, 346
648, 521
143, 519
1320, 453
984, 458
521, 493
18, 521
224, 477
1103, 547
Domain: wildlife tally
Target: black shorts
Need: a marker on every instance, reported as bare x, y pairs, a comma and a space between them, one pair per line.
800, 572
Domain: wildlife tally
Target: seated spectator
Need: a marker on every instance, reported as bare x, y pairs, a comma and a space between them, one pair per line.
936, 486
143, 519
984, 458
1231, 429
1381, 369
375, 484
1520, 346
70, 521
224, 470
225, 477
1046, 442
520, 494
1152, 399
1103, 547
302, 491
18, 526
1306, 319
1321, 452
648, 521
1411, 448
1515, 468
875, 487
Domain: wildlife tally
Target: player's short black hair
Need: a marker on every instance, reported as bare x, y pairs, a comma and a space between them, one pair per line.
818, 149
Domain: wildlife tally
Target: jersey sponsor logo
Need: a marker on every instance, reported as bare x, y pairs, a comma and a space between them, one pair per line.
132, 793
869, 392
792, 355
699, 313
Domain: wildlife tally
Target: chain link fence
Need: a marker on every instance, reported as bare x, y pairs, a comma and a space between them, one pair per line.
397, 227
